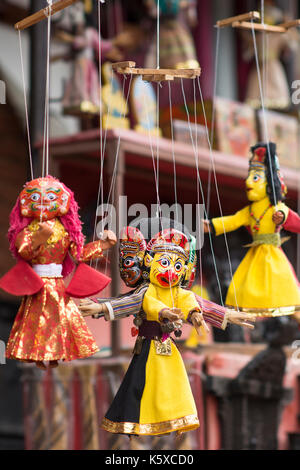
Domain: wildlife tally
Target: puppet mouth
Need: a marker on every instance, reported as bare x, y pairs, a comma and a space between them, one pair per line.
167, 279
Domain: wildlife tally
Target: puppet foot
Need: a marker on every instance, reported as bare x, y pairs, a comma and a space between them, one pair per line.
40, 365
53, 364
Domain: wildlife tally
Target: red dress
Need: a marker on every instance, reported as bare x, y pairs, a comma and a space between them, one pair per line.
48, 325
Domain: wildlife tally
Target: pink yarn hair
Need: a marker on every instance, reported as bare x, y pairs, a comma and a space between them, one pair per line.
71, 221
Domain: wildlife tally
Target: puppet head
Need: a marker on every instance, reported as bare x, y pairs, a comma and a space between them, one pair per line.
264, 174
132, 251
167, 257
44, 199
68, 211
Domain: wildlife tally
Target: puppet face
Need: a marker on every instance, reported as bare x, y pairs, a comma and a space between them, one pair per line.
256, 184
130, 269
166, 269
44, 199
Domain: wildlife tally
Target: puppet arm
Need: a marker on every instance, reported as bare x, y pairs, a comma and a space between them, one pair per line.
230, 222
94, 249
292, 222
29, 243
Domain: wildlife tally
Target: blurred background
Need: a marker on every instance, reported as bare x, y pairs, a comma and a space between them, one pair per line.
61, 409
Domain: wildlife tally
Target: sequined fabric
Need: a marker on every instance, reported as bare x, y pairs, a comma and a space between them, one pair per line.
48, 325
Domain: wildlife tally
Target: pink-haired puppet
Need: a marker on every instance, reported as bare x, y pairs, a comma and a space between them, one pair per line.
45, 237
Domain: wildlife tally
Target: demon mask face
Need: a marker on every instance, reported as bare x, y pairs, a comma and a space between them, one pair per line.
44, 199
132, 250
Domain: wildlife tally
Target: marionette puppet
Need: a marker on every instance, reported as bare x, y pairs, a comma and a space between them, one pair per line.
155, 396
276, 86
177, 48
45, 237
264, 283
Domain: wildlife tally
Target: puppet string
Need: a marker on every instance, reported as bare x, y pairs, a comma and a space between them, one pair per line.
113, 179
100, 195
213, 116
217, 192
26, 106
263, 110
157, 35
151, 148
173, 151
198, 189
155, 170
45, 167
201, 188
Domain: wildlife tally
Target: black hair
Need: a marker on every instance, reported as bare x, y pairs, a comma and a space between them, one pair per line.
271, 171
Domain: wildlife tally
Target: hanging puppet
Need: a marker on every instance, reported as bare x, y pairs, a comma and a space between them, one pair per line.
155, 396
82, 92
265, 280
274, 81
177, 48
45, 237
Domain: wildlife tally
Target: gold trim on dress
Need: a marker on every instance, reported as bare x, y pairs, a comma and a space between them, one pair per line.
187, 423
268, 312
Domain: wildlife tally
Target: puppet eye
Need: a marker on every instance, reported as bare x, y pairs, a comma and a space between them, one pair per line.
256, 178
164, 262
51, 196
128, 262
178, 266
35, 197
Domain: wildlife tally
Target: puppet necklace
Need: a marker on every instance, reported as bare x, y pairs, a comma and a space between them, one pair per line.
256, 227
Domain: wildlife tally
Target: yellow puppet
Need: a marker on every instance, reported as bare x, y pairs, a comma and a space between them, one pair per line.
155, 396
264, 282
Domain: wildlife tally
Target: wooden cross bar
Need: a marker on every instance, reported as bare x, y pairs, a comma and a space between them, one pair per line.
252, 15
154, 75
242, 22
43, 14
259, 27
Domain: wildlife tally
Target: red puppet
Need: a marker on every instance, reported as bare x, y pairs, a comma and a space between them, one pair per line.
45, 237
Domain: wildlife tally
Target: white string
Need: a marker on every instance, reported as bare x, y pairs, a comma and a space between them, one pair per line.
100, 186
26, 106
262, 11
157, 145
198, 193
218, 194
151, 148
213, 114
45, 167
113, 178
157, 35
173, 151
263, 110
201, 188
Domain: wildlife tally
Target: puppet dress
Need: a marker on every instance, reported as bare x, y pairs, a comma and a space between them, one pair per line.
48, 325
155, 396
265, 279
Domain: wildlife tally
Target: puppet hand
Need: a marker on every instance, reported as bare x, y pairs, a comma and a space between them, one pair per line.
278, 217
198, 321
206, 226
240, 318
108, 239
41, 235
88, 307
172, 314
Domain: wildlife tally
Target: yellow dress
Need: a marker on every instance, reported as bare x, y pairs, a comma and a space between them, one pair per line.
265, 279
155, 396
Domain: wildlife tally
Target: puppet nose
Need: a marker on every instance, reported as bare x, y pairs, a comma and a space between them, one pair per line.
171, 275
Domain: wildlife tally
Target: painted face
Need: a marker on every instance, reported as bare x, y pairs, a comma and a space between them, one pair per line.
130, 269
166, 269
44, 199
256, 185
